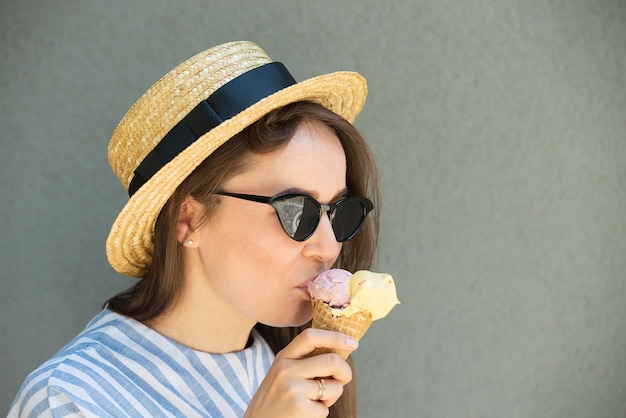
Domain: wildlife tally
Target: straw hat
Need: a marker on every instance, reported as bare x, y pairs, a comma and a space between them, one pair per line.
189, 113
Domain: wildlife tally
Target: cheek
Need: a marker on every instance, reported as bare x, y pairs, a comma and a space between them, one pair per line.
254, 264
258, 229
248, 241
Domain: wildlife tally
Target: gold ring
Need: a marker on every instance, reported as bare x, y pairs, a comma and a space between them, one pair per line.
321, 389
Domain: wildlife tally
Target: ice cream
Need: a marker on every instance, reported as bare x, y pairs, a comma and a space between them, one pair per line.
333, 287
348, 303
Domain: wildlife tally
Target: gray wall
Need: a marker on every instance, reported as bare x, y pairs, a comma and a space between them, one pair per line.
499, 128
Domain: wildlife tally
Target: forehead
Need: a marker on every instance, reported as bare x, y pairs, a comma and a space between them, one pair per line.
312, 161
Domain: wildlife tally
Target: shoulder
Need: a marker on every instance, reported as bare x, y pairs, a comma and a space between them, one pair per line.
76, 378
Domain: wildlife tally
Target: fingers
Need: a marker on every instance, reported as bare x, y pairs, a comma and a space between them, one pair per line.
323, 365
330, 366
312, 338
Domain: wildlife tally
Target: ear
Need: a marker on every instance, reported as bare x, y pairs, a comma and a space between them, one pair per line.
189, 215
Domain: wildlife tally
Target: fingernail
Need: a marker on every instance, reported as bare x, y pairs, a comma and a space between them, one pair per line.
352, 343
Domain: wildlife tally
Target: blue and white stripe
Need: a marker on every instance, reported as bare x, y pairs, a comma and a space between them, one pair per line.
119, 367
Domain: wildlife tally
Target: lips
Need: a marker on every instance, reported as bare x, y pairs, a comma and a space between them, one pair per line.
305, 285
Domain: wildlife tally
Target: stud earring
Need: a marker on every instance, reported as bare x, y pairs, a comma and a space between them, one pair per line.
190, 242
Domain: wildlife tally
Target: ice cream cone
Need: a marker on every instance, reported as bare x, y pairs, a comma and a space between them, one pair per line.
354, 325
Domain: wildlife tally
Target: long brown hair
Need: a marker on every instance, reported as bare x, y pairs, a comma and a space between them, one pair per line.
158, 290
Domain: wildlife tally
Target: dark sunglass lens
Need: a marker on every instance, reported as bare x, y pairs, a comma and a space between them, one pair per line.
299, 216
309, 219
347, 219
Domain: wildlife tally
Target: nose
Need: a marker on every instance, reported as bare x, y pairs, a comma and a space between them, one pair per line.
322, 245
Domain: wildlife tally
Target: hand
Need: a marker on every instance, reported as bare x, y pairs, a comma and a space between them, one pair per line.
290, 388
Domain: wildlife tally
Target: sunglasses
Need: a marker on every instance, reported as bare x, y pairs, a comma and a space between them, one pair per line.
300, 214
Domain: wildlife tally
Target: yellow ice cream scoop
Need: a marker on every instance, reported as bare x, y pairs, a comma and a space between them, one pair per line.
370, 292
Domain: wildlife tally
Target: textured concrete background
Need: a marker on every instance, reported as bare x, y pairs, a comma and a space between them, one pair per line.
499, 128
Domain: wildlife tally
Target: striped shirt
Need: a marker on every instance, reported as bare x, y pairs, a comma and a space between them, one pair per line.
118, 367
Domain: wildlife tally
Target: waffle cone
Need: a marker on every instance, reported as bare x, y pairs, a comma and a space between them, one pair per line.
355, 325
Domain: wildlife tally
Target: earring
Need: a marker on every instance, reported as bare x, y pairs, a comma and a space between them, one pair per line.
190, 242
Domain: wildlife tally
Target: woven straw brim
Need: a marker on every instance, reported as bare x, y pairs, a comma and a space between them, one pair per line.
355, 325
129, 245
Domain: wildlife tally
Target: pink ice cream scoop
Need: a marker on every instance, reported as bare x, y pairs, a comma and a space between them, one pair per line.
333, 287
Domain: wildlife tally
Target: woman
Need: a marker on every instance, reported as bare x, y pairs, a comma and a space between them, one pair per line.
244, 186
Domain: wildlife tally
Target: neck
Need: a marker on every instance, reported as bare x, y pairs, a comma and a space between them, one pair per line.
200, 320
